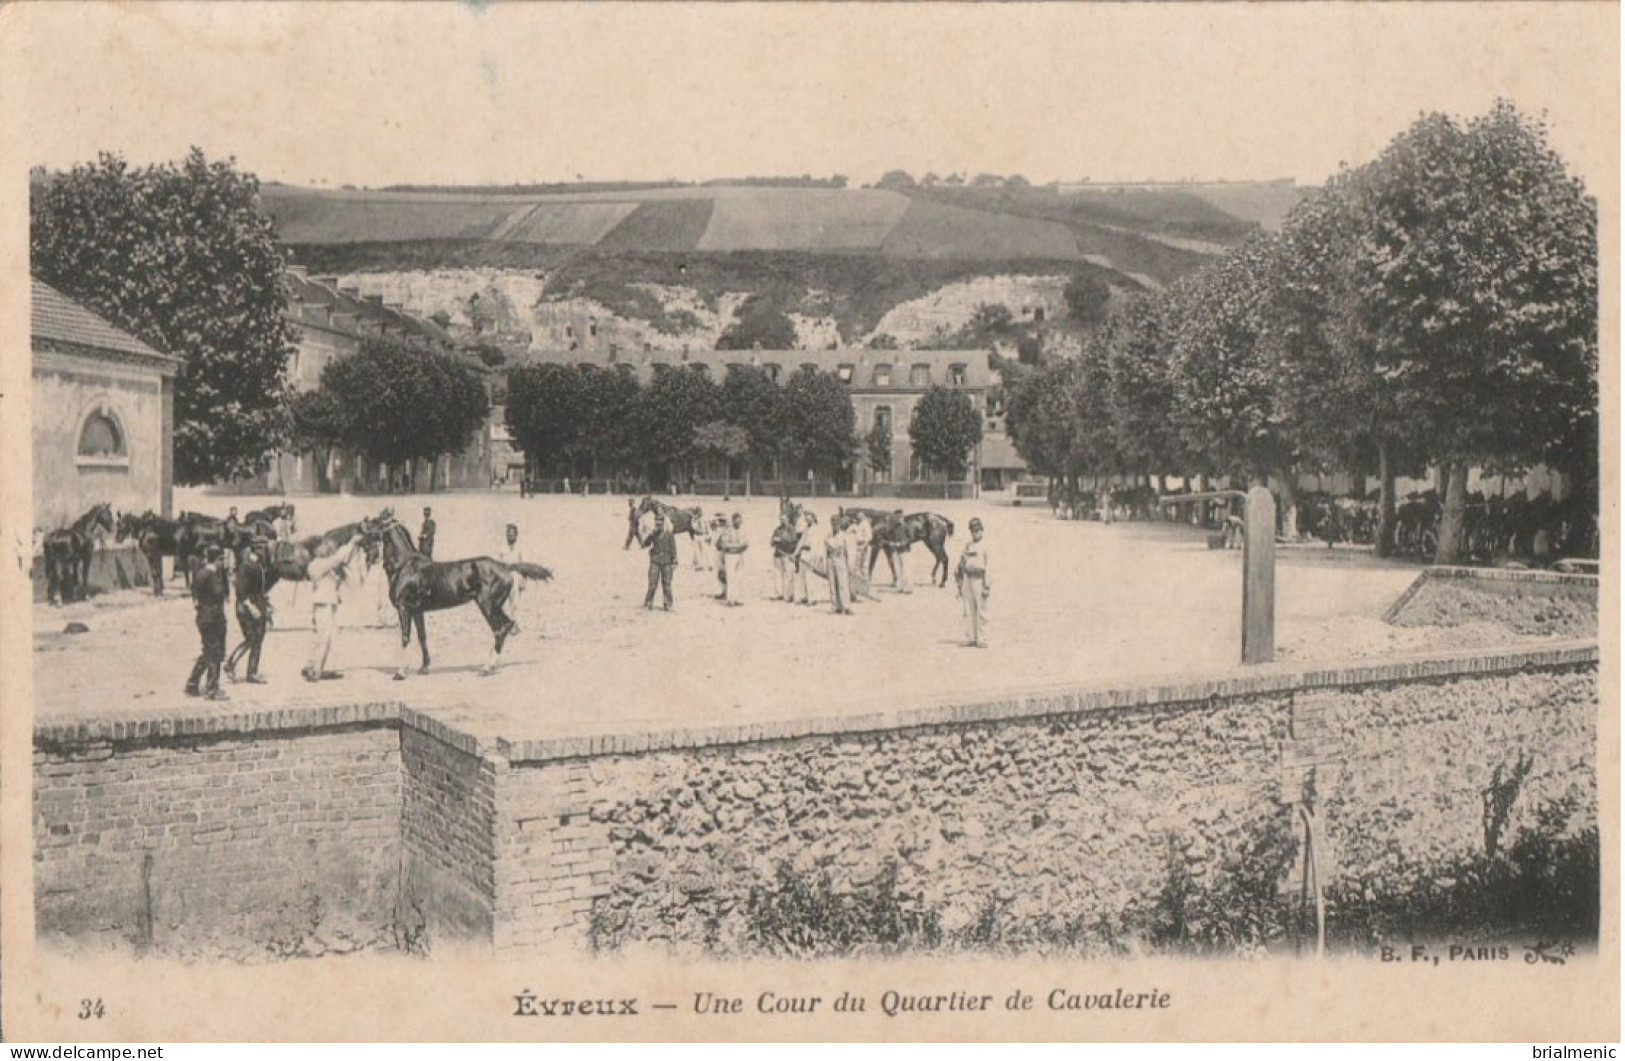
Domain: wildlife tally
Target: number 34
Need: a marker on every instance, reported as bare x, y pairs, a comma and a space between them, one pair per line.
91, 1007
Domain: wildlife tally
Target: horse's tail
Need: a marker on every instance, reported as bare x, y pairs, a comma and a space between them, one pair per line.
536, 571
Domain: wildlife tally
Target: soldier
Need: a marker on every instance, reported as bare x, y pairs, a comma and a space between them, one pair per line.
662, 546
327, 572
511, 554
426, 534
859, 539
971, 579
253, 611
784, 560
209, 598
835, 552
731, 546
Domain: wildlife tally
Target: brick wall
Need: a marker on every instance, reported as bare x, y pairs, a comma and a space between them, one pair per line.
316, 830
219, 844
448, 815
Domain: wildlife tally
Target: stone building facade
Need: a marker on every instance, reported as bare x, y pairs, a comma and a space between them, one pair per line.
103, 409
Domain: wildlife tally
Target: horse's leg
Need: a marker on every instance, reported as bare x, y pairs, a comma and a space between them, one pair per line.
941, 555
423, 641
406, 643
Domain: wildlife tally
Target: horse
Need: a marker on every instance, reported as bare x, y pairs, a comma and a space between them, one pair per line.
894, 533
689, 521
156, 537
68, 553
291, 560
418, 585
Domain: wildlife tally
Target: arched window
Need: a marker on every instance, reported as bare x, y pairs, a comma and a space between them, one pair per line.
101, 437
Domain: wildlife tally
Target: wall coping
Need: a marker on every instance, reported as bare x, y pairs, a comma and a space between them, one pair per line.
1487, 574
1065, 699
998, 705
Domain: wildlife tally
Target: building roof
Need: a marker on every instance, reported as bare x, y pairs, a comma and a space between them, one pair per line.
314, 300
57, 318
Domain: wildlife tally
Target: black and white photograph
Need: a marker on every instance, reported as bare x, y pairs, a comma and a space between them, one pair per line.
841, 522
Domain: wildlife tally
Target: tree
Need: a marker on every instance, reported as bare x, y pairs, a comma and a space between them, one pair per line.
819, 424
317, 426
722, 439
1087, 296
181, 256
943, 430
401, 404
760, 324
670, 409
753, 402
878, 445
1476, 282
608, 430
1141, 400
547, 412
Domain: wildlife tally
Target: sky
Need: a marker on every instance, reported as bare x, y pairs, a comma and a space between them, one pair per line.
498, 93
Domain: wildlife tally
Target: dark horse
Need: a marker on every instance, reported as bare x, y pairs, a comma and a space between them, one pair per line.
418, 585
894, 533
291, 560
689, 521
68, 553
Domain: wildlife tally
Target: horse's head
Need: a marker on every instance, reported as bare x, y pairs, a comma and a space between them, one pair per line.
129, 526
101, 516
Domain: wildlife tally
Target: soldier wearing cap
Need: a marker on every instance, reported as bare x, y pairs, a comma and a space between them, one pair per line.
971, 578
209, 598
253, 610
512, 553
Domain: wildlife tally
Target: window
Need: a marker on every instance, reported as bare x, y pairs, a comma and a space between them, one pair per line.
701, 367
772, 370
956, 375
569, 331
883, 375
809, 367
844, 372
592, 329
883, 417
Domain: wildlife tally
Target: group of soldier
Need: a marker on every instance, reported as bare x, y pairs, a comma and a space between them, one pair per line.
841, 555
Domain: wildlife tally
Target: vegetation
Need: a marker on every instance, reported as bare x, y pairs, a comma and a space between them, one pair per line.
398, 404
1435, 307
181, 256
943, 430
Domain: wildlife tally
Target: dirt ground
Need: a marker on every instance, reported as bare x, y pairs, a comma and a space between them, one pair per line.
1071, 603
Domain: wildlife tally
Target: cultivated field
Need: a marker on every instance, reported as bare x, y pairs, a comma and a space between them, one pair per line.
1072, 603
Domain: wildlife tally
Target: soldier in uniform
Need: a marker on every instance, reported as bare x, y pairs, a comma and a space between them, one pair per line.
971, 579
209, 598
426, 534
662, 546
835, 553
253, 611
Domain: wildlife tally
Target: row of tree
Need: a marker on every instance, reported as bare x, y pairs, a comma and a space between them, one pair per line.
1436, 307
604, 418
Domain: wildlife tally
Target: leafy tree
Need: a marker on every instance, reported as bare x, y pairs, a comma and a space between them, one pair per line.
722, 439
819, 424
181, 256
675, 404
882, 341
402, 404
1043, 417
944, 428
878, 444
760, 324
608, 431
317, 426
753, 402
896, 180
1087, 296
547, 411
1141, 401
1476, 282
